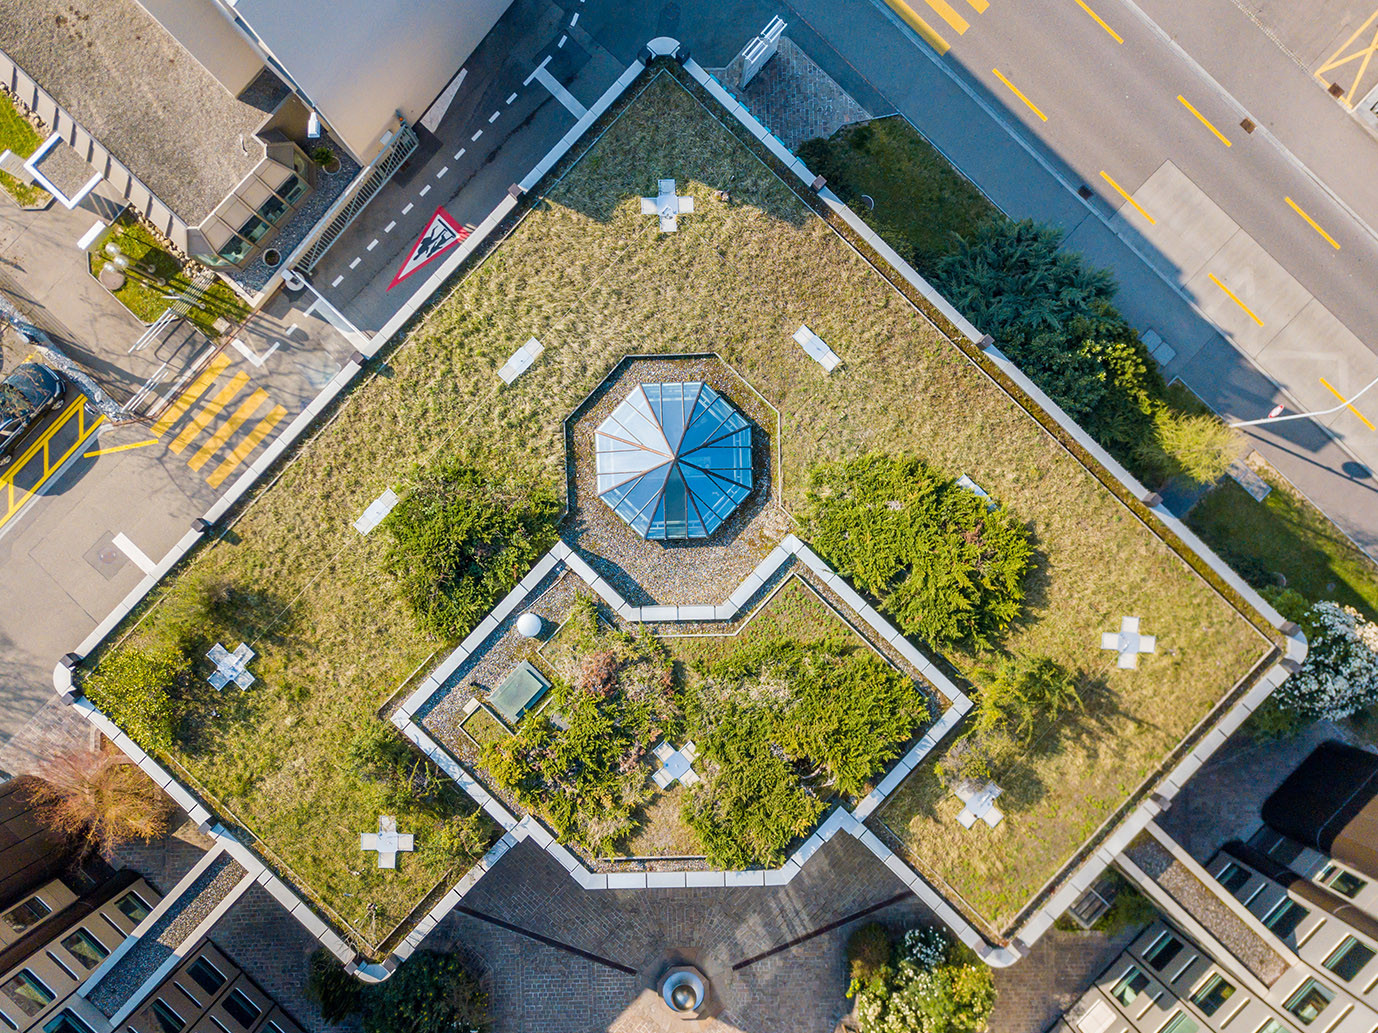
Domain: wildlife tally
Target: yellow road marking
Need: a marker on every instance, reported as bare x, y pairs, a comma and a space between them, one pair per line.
209, 412
1235, 298
1015, 89
118, 448
264, 428
1204, 120
1125, 194
948, 13
224, 432
1314, 225
1363, 55
1107, 28
979, 6
185, 400
926, 31
1351, 408
41, 447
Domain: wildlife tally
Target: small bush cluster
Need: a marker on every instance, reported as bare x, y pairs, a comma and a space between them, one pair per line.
1340, 673
429, 993
943, 565
927, 983
461, 539
101, 798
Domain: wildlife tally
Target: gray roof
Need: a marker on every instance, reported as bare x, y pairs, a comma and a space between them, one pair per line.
129, 83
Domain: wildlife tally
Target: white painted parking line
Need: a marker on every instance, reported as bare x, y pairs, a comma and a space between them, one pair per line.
389, 226
559, 92
575, 20
255, 359
562, 41
337, 281
460, 153
511, 98
425, 190
527, 80
476, 136
354, 263
136, 554
441, 173
409, 207
372, 245
493, 117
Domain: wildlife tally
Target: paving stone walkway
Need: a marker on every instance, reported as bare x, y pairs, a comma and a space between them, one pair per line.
1034, 991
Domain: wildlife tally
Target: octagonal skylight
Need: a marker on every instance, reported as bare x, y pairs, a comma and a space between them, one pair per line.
674, 460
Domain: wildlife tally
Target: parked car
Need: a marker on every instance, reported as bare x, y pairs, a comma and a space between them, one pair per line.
26, 395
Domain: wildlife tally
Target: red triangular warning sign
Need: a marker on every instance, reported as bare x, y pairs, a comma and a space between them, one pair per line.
441, 233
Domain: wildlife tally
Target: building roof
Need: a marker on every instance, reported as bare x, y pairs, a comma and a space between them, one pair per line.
30, 852
1330, 803
130, 84
674, 460
1327, 901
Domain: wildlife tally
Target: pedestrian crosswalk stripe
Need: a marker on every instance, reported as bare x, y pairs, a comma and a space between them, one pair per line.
949, 14
209, 412
264, 428
190, 395
226, 430
926, 31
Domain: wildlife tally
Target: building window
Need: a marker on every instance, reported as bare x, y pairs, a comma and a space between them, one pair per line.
241, 1009
1349, 958
1309, 1001
271, 212
1273, 1026
88, 950
27, 914
28, 994
167, 1020
1234, 877
1130, 985
206, 976
1214, 992
1343, 882
131, 905
1180, 1022
292, 189
1284, 919
65, 1022
1160, 954
272, 209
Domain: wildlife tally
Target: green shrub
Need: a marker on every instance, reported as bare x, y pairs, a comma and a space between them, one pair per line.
1021, 696
335, 991
136, 688
1195, 445
868, 953
429, 993
932, 985
460, 540
1129, 910
942, 564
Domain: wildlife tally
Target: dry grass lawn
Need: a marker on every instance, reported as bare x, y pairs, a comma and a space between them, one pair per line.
591, 277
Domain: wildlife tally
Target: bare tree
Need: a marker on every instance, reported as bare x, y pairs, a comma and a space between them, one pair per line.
103, 798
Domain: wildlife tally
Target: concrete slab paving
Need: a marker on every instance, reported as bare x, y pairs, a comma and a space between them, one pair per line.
1188, 228
1256, 280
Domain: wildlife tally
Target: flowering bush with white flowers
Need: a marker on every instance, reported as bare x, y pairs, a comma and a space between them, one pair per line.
1340, 674
929, 985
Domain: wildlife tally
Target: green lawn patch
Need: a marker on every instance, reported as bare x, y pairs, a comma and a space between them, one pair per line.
19, 136
1285, 534
154, 273
922, 203
594, 280
484, 728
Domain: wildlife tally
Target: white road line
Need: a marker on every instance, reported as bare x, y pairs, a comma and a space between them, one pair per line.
527, 80
475, 137
511, 98
389, 226
355, 262
425, 190
255, 359
562, 42
559, 92
136, 554
409, 207
336, 282
460, 153
493, 117
373, 245
441, 173
575, 20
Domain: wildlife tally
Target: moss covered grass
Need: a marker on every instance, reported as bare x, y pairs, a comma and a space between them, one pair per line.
591, 277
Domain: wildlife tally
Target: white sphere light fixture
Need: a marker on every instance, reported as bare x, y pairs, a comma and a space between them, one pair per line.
529, 625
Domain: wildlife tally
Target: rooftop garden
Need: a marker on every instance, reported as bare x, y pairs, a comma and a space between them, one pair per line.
341, 622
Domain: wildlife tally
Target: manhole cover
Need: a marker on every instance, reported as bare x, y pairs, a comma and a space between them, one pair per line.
107, 558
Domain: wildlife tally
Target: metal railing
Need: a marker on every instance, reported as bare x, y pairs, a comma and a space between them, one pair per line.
181, 305
382, 170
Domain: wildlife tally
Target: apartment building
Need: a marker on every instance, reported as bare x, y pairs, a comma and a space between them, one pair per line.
1276, 934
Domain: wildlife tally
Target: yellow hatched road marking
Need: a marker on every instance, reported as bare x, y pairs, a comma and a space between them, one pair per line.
1125, 194
264, 428
1351, 408
184, 402
226, 430
1204, 120
210, 412
1363, 55
948, 13
979, 6
1314, 225
117, 448
926, 31
1107, 28
40, 450
1015, 90
1235, 298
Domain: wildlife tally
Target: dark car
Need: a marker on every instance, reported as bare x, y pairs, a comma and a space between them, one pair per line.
25, 396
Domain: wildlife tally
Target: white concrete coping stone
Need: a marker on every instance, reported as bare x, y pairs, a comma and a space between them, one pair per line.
580, 567
777, 558
609, 595
873, 843
626, 880
696, 880
131, 749
663, 46
630, 613
850, 596
665, 880
567, 860
752, 878
698, 613
507, 604
868, 806
471, 704
807, 849
376, 511
537, 573
450, 664
591, 880
746, 590
561, 551
896, 864
477, 637
725, 611
521, 360
781, 876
